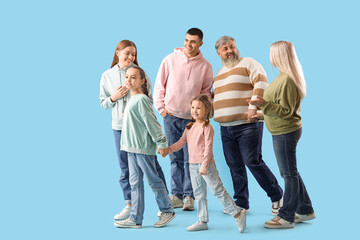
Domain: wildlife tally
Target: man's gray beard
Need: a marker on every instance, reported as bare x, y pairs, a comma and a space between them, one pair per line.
230, 63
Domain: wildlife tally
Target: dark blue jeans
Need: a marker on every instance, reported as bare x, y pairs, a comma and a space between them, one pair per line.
296, 198
124, 166
180, 175
242, 146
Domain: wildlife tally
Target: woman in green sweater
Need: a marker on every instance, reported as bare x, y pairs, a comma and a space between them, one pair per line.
281, 108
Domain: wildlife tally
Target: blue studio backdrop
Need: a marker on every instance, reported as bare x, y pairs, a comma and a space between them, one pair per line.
59, 173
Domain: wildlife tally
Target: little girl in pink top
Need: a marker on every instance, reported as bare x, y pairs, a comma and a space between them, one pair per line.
199, 137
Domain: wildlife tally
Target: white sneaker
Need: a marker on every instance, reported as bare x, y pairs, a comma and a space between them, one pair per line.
127, 223
164, 219
198, 226
301, 218
176, 202
124, 214
241, 220
275, 206
226, 212
188, 204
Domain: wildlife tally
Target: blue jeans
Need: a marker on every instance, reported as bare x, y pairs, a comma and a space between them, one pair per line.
296, 198
242, 146
124, 166
216, 186
180, 176
140, 164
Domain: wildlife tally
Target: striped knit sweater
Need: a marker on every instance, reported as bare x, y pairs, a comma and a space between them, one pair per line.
232, 87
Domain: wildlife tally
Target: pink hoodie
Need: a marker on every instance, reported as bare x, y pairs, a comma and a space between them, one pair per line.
179, 80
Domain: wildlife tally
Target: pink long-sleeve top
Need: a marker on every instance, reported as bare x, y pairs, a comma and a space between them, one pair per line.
200, 144
179, 79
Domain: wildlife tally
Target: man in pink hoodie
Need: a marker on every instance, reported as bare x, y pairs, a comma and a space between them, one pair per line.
183, 75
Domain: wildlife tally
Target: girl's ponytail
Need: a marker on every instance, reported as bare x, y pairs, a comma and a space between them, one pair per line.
190, 124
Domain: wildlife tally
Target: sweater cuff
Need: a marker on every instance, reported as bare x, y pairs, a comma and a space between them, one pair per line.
162, 145
111, 103
252, 107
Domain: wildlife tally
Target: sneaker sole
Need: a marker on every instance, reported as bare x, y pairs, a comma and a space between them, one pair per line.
127, 226
197, 229
188, 209
163, 225
279, 226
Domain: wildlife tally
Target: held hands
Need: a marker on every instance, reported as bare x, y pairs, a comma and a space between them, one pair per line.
253, 116
163, 152
257, 102
120, 92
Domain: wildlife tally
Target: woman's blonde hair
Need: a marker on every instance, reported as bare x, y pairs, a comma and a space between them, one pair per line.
206, 101
283, 56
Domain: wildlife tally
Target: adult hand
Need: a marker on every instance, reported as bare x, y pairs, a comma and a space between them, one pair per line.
119, 93
258, 116
251, 114
257, 102
164, 113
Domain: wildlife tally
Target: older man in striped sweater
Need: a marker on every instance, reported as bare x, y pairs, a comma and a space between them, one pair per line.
240, 79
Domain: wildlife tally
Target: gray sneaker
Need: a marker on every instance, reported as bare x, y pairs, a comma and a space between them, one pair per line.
127, 223
164, 219
189, 204
176, 202
301, 218
241, 220
198, 226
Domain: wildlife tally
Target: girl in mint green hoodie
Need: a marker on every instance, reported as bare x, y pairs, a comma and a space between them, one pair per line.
115, 95
140, 137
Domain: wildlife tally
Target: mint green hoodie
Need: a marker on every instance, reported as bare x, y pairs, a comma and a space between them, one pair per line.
141, 131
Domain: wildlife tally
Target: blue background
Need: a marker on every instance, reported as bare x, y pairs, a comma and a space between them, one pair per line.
59, 172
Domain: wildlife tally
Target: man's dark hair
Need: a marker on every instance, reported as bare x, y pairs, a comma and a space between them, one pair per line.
196, 31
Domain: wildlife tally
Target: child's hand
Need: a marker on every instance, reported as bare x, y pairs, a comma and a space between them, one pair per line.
203, 170
163, 152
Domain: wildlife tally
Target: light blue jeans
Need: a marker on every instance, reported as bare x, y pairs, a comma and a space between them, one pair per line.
124, 166
216, 186
140, 164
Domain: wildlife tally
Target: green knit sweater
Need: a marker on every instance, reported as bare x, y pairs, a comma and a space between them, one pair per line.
141, 131
281, 108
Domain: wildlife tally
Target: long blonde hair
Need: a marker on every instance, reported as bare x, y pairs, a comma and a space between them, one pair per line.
283, 56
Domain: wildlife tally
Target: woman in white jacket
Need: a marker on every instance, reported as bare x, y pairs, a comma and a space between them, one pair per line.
115, 95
